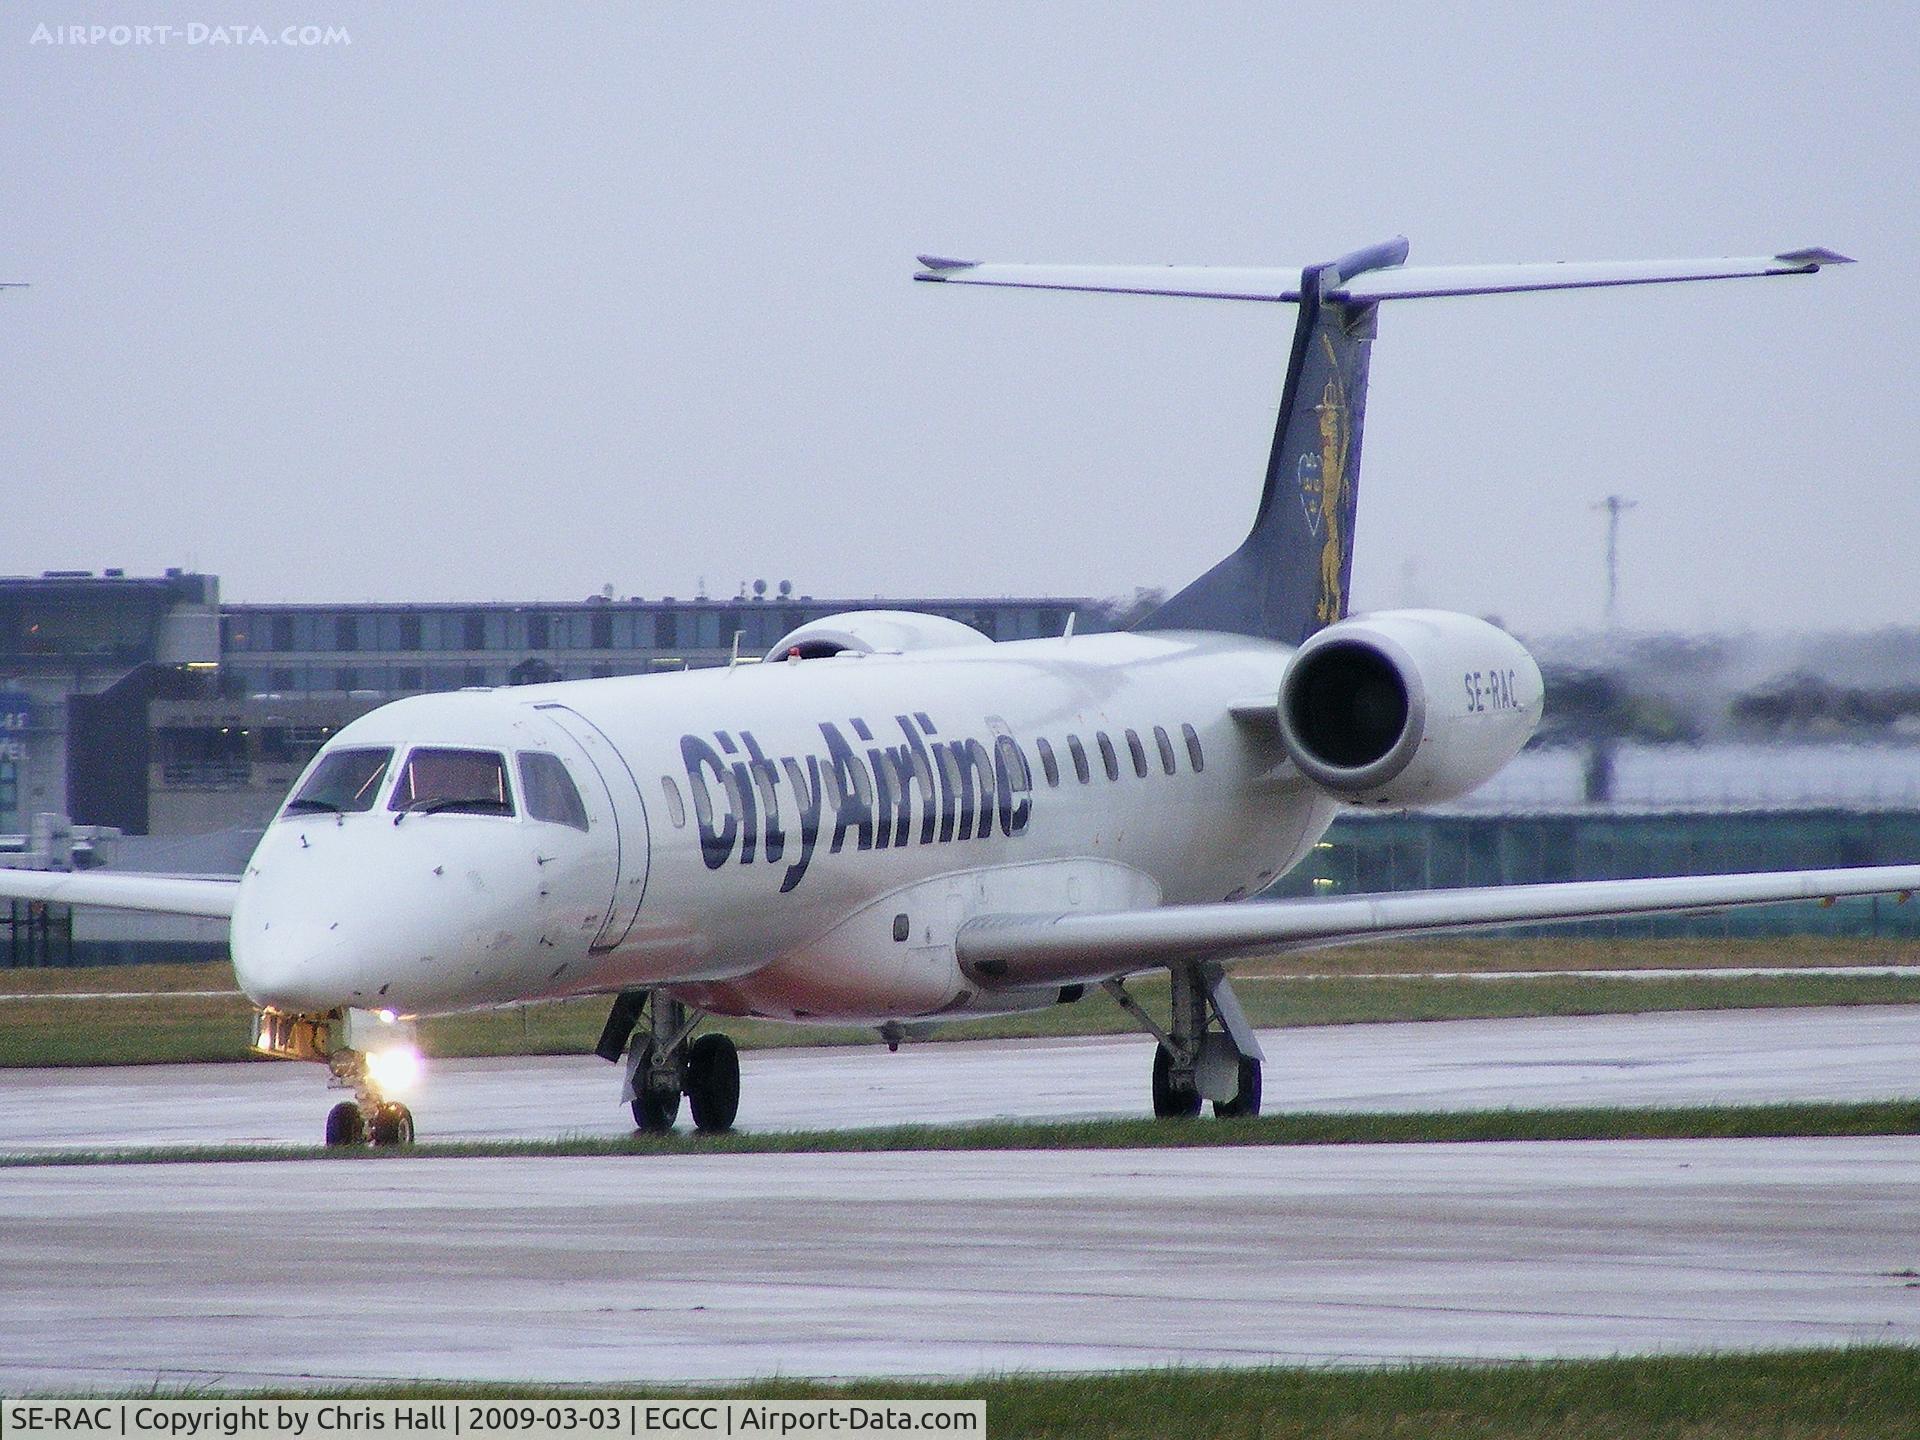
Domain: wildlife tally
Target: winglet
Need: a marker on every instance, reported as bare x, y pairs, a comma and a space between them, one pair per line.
1813, 257
940, 266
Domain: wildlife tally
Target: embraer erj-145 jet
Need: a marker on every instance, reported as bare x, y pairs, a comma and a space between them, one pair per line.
896, 821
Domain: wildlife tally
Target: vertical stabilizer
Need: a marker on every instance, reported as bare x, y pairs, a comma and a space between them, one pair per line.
1289, 576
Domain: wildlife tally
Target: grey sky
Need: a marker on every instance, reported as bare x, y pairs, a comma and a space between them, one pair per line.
512, 303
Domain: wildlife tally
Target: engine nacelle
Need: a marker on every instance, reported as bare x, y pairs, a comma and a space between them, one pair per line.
1408, 707
874, 632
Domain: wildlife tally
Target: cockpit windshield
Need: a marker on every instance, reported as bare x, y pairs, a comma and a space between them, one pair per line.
345, 780
470, 782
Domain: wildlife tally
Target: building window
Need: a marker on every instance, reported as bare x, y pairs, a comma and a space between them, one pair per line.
600, 625
1107, 756
346, 632
283, 680
1193, 748
537, 638
409, 629
409, 679
346, 679
283, 632
1139, 754
1166, 748
1079, 754
666, 629
474, 676
476, 631
1047, 763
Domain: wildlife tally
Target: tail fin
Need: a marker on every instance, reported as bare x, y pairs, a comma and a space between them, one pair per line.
1289, 576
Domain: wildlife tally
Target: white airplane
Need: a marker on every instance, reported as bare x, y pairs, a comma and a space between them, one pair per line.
895, 821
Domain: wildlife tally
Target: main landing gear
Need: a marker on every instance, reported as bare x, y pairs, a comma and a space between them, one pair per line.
370, 1054
664, 1062
1207, 1051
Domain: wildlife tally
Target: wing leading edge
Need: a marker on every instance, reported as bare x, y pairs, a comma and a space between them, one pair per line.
158, 894
1014, 951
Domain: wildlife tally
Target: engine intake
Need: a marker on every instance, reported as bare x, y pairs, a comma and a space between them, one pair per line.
1407, 707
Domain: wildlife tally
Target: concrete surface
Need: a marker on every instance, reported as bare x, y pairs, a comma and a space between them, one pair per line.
1847, 1053
715, 1267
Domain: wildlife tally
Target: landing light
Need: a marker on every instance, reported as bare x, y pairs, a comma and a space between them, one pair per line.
395, 1070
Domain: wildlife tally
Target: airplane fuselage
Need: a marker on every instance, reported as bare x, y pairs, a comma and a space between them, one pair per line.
799, 840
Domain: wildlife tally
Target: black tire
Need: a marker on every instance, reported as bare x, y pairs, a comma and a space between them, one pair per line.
345, 1126
1171, 1102
654, 1110
392, 1124
713, 1083
1246, 1102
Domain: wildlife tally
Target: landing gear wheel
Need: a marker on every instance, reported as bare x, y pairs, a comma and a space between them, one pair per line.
392, 1124
713, 1083
1246, 1100
345, 1126
1170, 1101
655, 1108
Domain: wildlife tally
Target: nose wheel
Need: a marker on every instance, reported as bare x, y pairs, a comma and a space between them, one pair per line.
386, 1124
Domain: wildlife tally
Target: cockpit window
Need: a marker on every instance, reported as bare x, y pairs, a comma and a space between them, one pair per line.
467, 782
345, 780
549, 791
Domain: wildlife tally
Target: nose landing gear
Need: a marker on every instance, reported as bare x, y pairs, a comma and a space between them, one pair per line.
663, 1063
369, 1054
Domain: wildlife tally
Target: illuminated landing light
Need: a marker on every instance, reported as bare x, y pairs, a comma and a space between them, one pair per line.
395, 1070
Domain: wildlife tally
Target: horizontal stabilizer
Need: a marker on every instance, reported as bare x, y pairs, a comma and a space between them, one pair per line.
158, 894
1393, 282
1015, 951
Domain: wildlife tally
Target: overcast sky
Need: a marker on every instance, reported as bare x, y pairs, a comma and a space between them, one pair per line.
491, 303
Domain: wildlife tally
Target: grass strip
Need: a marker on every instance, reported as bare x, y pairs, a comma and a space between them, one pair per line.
1857, 1393
1888, 1117
176, 1028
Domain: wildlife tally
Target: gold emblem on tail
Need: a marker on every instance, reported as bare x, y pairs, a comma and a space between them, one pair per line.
1335, 436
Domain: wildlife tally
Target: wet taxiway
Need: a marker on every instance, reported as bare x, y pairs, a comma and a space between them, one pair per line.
720, 1267
1706, 1057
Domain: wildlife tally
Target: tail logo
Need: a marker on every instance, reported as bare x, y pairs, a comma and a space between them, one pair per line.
1330, 473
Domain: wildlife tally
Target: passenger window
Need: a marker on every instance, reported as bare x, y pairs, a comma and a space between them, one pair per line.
1139, 754
1193, 749
1075, 749
468, 782
549, 790
702, 800
345, 780
1011, 762
676, 807
1047, 762
1107, 756
1166, 748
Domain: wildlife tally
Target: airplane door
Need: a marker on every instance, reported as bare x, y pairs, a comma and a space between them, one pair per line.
622, 789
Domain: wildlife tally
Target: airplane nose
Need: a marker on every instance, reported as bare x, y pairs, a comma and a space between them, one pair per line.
364, 913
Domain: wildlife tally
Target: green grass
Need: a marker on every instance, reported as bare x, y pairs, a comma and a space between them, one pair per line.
1860, 1393
1352, 990
1886, 1117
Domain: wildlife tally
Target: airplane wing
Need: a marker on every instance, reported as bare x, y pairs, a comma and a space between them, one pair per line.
1021, 951
209, 896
